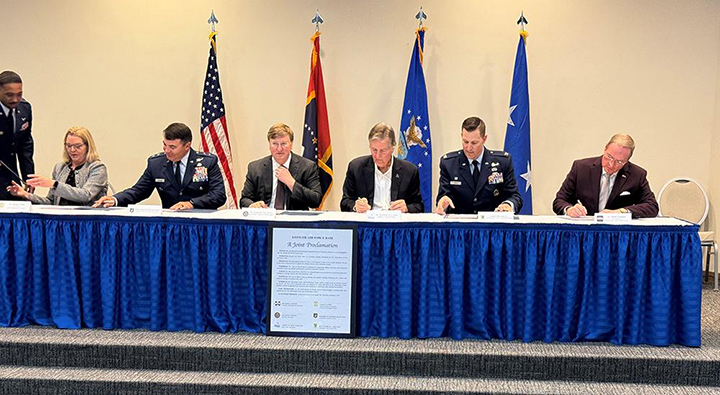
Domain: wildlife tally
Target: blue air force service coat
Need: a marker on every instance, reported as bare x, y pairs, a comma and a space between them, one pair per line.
202, 182
497, 182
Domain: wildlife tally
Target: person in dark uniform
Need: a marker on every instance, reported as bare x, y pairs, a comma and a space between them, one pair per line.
282, 180
184, 178
476, 179
380, 181
16, 141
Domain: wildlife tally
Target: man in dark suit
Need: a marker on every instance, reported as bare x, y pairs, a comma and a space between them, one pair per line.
16, 141
608, 183
184, 178
477, 179
282, 180
379, 181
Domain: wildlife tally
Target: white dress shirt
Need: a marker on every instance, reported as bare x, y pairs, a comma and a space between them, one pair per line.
383, 184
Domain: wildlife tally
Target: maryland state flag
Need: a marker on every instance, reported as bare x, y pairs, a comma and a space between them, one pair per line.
316, 133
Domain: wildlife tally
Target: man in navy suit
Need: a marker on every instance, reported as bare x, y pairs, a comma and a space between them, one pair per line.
608, 183
476, 179
380, 181
185, 179
16, 141
282, 180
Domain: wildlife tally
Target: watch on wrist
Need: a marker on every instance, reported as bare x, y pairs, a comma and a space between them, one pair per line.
55, 184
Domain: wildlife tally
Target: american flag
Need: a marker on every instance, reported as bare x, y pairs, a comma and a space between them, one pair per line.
214, 128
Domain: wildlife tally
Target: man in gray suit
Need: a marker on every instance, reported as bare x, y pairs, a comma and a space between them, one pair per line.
282, 180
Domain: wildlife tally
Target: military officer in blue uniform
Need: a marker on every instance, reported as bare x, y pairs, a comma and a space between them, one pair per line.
476, 179
184, 178
16, 141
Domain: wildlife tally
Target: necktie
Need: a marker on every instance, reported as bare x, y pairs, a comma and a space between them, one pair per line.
604, 191
11, 121
178, 177
476, 172
280, 195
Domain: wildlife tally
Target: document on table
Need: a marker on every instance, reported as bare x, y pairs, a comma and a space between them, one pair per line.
311, 281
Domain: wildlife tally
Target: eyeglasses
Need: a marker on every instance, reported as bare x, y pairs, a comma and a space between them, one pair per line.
613, 160
76, 147
280, 145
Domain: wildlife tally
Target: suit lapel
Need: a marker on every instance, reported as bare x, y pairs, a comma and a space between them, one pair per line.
18, 120
295, 170
169, 174
189, 168
465, 169
369, 175
620, 180
396, 177
595, 174
484, 171
266, 177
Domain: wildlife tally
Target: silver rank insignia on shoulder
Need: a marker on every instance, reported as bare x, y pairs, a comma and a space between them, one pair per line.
495, 164
199, 158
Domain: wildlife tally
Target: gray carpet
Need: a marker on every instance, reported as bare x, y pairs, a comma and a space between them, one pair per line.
47, 360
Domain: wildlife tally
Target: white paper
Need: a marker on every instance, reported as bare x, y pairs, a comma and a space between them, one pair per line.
497, 216
384, 215
15, 206
311, 286
258, 213
613, 218
144, 210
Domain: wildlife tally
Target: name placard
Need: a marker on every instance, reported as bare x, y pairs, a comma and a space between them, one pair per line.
15, 206
613, 218
498, 216
383, 215
144, 210
258, 213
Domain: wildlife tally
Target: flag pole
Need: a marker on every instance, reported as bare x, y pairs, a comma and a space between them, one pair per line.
317, 20
420, 16
213, 20
316, 130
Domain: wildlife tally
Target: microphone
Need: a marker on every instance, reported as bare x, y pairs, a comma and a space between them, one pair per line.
12, 172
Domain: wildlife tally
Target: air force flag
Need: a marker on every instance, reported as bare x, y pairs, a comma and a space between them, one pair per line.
414, 145
517, 137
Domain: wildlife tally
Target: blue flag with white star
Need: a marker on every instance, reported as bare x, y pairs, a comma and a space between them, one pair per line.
517, 136
414, 135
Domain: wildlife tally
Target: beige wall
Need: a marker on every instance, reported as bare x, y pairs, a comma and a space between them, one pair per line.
125, 69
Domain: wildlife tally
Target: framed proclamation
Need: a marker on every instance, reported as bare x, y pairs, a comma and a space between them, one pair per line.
311, 280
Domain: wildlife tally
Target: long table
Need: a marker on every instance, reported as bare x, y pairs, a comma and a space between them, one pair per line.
537, 278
